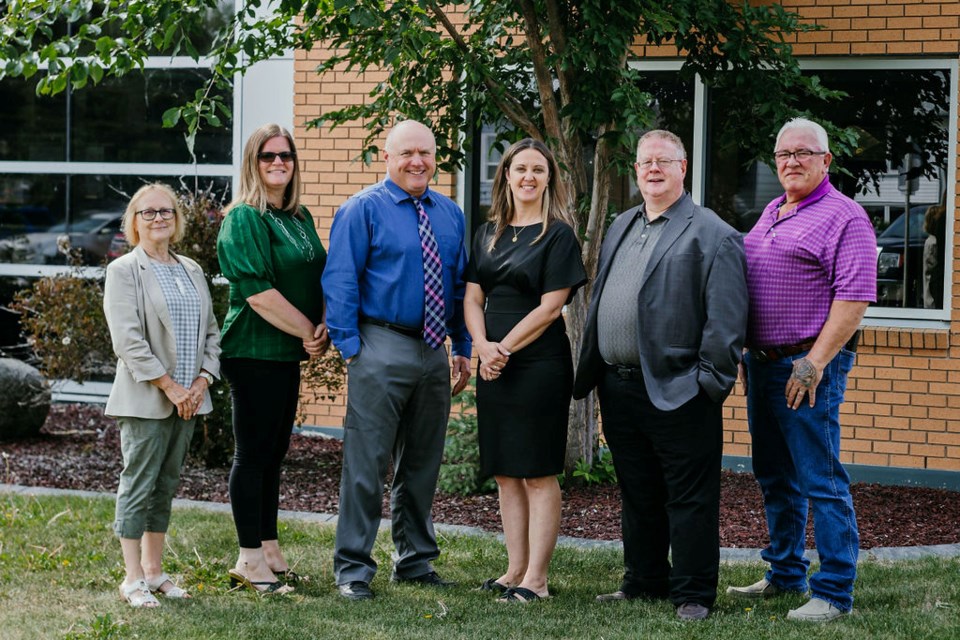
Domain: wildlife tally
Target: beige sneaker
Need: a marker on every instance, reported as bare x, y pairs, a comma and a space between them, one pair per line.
762, 589
816, 610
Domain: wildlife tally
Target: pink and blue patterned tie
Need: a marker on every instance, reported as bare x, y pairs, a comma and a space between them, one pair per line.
434, 330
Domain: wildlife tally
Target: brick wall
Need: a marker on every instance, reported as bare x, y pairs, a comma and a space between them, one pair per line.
903, 401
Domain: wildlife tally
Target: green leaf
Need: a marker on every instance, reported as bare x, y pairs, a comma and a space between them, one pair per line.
171, 117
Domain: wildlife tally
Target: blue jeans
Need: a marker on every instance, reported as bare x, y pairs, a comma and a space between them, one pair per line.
796, 459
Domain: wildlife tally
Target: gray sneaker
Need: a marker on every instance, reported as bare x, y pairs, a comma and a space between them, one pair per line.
816, 610
762, 589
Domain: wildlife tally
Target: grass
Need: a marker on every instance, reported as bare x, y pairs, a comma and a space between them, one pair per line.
60, 567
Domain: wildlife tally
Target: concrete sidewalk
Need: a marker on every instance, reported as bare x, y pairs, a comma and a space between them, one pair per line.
726, 554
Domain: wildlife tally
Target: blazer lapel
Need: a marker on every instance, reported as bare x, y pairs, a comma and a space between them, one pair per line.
613, 240
151, 288
679, 221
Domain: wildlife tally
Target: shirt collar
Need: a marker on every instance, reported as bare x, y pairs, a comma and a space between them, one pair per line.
822, 189
399, 195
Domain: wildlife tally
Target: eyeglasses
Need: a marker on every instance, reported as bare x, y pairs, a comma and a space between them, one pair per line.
151, 214
801, 155
663, 163
269, 157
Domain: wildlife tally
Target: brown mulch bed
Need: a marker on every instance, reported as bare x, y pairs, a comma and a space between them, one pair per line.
79, 449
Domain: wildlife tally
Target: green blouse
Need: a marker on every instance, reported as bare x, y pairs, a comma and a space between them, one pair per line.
268, 250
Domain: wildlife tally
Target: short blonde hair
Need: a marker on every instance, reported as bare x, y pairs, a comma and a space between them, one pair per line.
129, 225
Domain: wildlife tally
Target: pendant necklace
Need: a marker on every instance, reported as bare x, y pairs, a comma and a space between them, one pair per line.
516, 232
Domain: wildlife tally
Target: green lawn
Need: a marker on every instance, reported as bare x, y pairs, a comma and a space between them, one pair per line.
60, 567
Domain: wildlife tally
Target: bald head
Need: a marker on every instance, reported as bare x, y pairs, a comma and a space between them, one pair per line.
409, 152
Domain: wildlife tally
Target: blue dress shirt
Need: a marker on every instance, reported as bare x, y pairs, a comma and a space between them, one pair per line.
375, 264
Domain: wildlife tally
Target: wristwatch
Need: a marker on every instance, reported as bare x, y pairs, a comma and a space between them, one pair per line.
206, 376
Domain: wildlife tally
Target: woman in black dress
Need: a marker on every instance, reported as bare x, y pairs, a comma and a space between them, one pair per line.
524, 267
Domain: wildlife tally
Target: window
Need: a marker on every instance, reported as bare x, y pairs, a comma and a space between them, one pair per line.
902, 113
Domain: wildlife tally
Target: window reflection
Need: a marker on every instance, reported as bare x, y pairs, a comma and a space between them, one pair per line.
896, 112
121, 120
34, 126
39, 221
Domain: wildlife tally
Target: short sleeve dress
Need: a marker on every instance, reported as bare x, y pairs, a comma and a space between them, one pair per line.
522, 415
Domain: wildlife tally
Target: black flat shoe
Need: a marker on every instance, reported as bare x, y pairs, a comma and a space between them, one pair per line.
430, 579
357, 590
493, 585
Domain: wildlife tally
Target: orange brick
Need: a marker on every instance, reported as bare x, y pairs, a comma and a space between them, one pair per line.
863, 433
944, 438
952, 464
916, 462
909, 411
935, 451
900, 448
833, 49
877, 459
908, 436
885, 10
869, 48
904, 47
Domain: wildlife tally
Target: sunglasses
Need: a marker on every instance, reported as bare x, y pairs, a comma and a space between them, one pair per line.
151, 214
269, 157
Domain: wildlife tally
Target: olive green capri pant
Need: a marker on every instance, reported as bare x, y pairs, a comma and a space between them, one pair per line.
153, 454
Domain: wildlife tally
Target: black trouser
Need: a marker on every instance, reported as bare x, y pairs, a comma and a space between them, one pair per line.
668, 468
265, 395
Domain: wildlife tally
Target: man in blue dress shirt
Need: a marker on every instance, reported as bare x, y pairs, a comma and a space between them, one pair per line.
380, 285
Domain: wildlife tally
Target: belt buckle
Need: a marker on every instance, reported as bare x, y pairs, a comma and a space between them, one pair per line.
626, 372
761, 356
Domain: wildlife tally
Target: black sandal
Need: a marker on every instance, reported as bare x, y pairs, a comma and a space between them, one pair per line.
493, 585
237, 579
520, 595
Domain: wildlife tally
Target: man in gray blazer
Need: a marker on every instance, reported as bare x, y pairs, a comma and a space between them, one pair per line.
662, 343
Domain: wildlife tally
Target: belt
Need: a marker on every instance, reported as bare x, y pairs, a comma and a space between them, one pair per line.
410, 332
627, 371
772, 354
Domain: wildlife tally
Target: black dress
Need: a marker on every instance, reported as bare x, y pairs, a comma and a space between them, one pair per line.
522, 415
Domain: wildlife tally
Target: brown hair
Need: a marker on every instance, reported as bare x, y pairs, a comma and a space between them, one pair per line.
554, 200
252, 191
128, 224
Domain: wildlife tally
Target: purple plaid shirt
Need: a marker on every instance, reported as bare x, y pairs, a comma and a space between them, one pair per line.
824, 250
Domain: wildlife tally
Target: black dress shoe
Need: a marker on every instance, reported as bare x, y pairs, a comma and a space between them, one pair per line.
430, 579
615, 596
355, 590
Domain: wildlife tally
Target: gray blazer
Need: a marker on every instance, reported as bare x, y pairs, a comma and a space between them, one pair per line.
142, 334
693, 308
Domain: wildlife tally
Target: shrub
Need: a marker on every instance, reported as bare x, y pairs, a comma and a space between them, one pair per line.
460, 470
601, 472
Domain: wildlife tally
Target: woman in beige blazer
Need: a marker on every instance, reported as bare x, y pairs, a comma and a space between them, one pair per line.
161, 321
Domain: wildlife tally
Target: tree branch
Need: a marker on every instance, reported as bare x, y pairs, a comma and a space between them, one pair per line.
538, 56
510, 106
558, 37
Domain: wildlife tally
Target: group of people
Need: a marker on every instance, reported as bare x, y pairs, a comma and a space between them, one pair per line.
681, 305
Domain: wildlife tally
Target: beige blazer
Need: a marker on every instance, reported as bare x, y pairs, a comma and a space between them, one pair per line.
142, 333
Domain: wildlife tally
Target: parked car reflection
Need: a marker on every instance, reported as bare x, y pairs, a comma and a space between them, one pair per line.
89, 235
891, 261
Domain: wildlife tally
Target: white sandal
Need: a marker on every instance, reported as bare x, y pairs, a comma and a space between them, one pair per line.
138, 595
174, 592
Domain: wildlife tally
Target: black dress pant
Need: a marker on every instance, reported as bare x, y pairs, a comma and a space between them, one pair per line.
265, 395
668, 468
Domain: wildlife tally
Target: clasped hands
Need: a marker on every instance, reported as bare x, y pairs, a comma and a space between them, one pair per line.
319, 343
493, 358
187, 401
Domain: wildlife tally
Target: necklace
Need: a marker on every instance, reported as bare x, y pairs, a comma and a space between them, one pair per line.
306, 249
516, 232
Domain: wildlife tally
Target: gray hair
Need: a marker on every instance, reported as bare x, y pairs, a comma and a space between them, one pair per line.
806, 125
663, 134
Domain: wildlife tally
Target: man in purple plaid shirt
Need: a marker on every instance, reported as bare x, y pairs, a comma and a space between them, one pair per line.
811, 273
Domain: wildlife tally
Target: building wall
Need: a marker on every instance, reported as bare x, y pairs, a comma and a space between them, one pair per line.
903, 400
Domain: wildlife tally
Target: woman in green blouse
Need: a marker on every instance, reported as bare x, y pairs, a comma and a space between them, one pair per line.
270, 252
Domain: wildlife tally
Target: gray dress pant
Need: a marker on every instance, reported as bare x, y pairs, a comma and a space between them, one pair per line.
398, 403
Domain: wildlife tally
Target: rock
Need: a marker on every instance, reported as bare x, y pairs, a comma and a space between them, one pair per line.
24, 400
